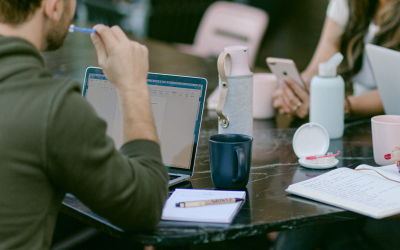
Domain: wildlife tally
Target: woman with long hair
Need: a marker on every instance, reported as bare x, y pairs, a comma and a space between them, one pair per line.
350, 24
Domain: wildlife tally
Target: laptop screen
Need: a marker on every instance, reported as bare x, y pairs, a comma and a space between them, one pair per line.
177, 106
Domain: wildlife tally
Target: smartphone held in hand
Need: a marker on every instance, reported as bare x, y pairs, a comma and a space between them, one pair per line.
283, 68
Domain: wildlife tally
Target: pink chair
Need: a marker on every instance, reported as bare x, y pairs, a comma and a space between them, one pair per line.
228, 24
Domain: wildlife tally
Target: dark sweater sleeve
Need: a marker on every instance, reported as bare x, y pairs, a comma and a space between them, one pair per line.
128, 187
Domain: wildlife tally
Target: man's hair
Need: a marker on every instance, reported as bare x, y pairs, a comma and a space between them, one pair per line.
17, 11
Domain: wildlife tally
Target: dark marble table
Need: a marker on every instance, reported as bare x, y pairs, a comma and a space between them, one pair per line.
268, 207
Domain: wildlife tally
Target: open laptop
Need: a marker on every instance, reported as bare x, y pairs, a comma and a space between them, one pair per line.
177, 103
385, 64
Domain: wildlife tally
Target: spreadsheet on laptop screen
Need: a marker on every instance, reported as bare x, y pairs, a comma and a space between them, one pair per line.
175, 107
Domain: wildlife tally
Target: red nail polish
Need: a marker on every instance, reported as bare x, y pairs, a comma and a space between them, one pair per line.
388, 156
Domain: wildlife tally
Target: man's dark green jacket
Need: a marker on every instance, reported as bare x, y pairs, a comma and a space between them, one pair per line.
52, 142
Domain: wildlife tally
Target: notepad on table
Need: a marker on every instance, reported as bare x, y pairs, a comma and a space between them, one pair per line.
221, 213
371, 191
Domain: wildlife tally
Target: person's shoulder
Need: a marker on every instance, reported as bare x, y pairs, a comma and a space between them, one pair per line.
55, 90
64, 86
337, 6
340, 2
339, 11
60, 91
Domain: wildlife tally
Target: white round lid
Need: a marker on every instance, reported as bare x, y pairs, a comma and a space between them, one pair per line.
310, 139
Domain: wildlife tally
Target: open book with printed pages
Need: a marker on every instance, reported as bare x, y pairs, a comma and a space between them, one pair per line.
367, 190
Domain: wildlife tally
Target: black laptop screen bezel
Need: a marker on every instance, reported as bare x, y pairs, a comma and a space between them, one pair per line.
171, 78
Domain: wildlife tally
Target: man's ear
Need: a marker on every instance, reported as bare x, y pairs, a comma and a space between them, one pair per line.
53, 9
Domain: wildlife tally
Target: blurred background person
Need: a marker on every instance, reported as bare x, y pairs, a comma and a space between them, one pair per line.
349, 25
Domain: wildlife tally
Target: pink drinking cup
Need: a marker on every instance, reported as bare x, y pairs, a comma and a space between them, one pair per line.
264, 86
385, 136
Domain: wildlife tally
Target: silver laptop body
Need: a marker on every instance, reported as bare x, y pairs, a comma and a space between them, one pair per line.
385, 64
177, 105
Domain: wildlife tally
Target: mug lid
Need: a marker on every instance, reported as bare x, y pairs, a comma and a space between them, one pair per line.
310, 139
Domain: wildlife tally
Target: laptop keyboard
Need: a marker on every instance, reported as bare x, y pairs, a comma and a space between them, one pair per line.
173, 177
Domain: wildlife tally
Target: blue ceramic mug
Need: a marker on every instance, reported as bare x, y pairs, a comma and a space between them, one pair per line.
230, 160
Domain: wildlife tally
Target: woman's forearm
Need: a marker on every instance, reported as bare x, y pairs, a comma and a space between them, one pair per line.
367, 104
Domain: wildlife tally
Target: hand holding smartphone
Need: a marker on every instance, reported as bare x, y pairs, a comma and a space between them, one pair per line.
285, 67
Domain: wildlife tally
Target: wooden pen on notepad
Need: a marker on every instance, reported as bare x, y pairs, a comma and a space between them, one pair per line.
208, 202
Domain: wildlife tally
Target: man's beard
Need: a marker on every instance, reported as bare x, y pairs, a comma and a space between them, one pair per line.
56, 35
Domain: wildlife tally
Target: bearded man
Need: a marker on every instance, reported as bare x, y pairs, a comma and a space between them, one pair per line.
52, 141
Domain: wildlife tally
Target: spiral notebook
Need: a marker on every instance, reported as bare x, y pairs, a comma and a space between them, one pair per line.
222, 213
